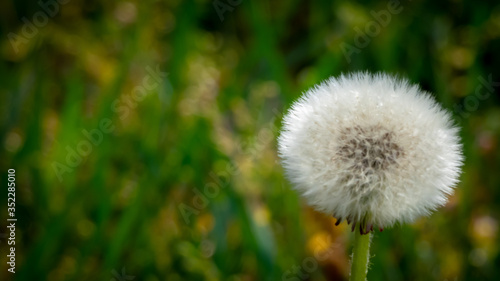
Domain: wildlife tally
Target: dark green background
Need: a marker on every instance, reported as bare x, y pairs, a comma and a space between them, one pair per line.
210, 128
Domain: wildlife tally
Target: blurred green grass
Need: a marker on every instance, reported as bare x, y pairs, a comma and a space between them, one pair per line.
228, 84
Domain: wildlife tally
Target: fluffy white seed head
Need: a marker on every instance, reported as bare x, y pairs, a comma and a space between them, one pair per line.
370, 148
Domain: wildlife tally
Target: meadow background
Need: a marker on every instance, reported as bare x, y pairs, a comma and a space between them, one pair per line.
182, 100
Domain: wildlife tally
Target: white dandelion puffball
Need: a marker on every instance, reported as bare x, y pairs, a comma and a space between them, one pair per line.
371, 149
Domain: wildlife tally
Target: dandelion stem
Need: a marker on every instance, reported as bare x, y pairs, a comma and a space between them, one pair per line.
360, 255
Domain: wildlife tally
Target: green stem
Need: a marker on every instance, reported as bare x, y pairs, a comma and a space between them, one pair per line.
360, 256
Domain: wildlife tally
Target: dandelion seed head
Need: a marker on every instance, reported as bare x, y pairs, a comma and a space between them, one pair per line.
370, 148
